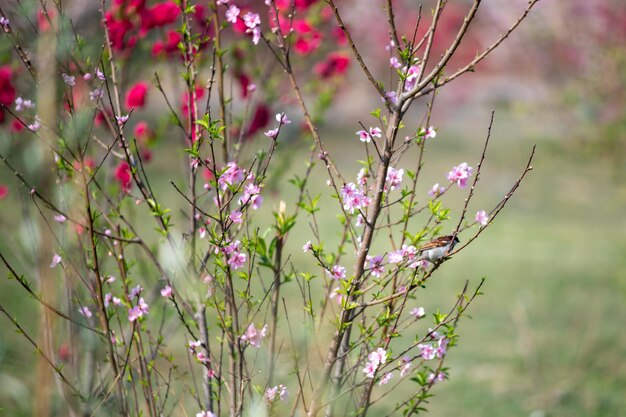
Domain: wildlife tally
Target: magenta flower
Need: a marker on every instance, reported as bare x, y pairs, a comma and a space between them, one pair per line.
406, 365
433, 379
232, 175
166, 292
482, 218
394, 178
56, 259
385, 379
394, 62
282, 119
232, 13
364, 136
353, 198
370, 369
418, 312
251, 20
254, 336
460, 174
427, 351
251, 196
338, 272
307, 247
429, 132
376, 265
236, 216
375, 132
280, 390
436, 190
391, 97
136, 291
84, 311
411, 77
272, 133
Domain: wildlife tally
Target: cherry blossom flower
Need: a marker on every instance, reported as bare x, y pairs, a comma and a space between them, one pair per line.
385, 379
68, 79
84, 311
21, 104
378, 356
280, 390
411, 77
428, 133
232, 175
272, 133
100, 74
394, 178
236, 216
482, 218
35, 125
138, 311
136, 96
121, 119
96, 94
254, 336
336, 295
436, 190
460, 174
353, 198
433, 379
136, 291
391, 97
394, 62
307, 247
4, 22
362, 177
375, 132
370, 369
59, 218
232, 13
364, 136
282, 119
166, 292
406, 365
427, 351
56, 259
251, 196
376, 265
194, 344
418, 312
338, 272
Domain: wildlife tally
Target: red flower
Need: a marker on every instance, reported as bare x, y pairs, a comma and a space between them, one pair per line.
4, 191
244, 82
334, 64
308, 38
123, 175
159, 15
142, 132
136, 96
171, 45
7, 91
260, 119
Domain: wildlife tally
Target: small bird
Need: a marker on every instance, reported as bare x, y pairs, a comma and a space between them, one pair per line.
435, 250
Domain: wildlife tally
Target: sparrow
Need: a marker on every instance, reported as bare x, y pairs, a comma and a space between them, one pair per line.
434, 250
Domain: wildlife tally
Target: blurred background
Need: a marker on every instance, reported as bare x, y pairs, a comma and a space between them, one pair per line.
547, 337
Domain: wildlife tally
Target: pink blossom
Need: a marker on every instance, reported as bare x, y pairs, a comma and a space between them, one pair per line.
378, 356
338, 272
391, 97
202, 357
427, 351
376, 265
364, 136
436, 190
460, 174
375, 132
251, 20
69, 79
237, 260
194, 344
232, 13
370, 369
35, 125
385, 379
433, 379
418, 312
135, 291
442, 347
256, 35
166, 292
232, 175
254, 336
59, 218
307, 247
205, 413
482, 218
336, 295
280, 390
394, 62
282, 119
251, 196
406, 365
411, 77
56, 259
428, 133
138, 311
362, 177
272, 133
353, 198
236, 216
394, 178
121, 119
84, 311
202, 232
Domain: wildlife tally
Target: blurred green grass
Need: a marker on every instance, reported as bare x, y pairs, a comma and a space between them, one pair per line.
547, 337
